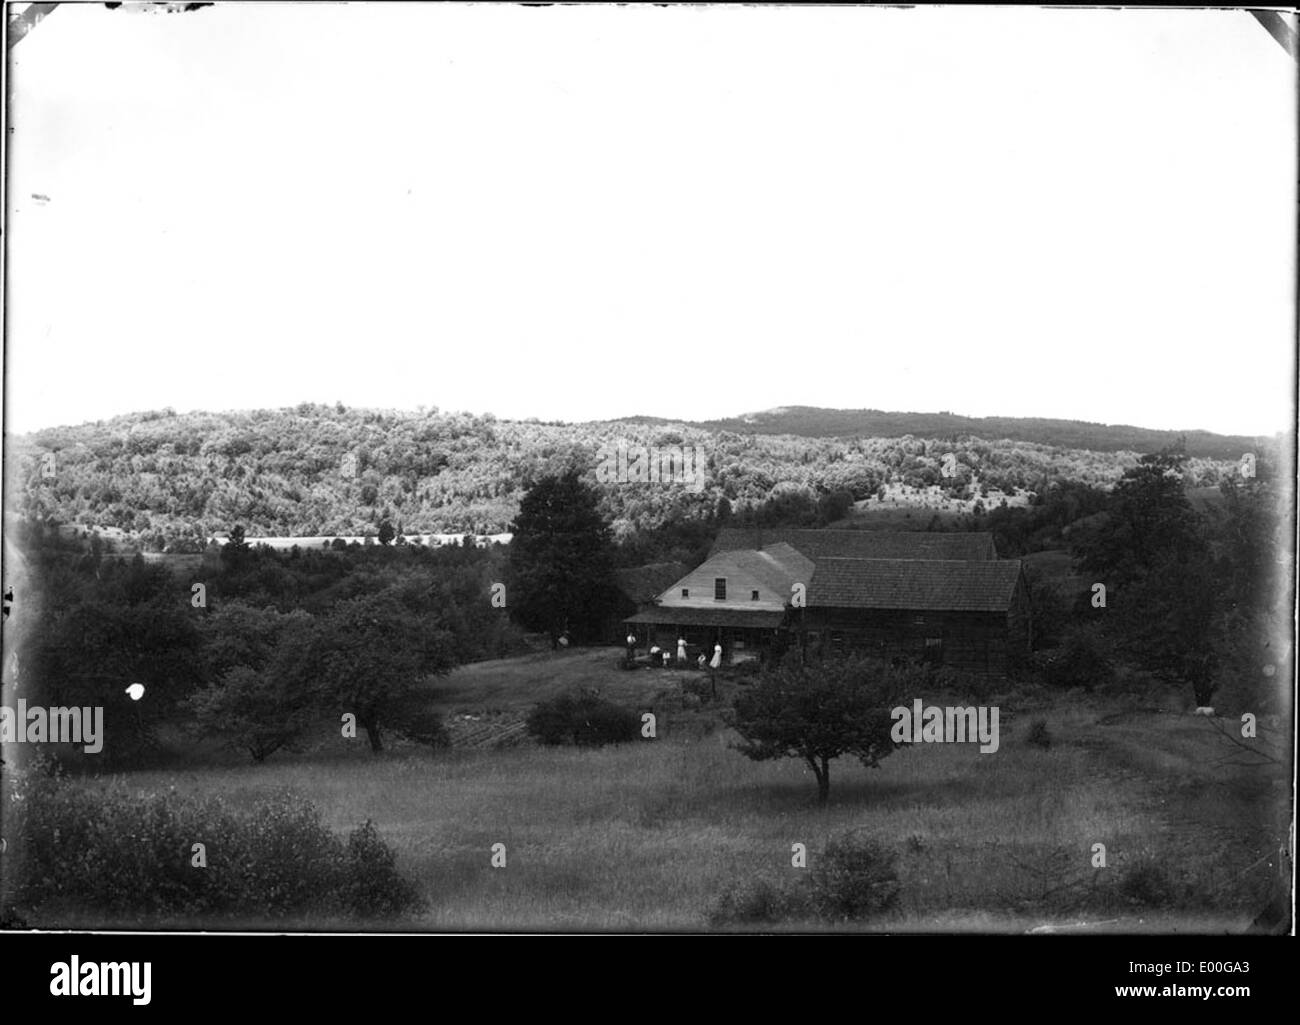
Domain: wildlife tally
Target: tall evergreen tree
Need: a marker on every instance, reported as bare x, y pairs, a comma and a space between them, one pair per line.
560, 559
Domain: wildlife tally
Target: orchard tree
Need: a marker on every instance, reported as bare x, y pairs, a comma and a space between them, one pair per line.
820, 711
262, 696
560, 558
370, 655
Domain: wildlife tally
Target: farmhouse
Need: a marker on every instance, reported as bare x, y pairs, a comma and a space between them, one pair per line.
943, 598
739, 599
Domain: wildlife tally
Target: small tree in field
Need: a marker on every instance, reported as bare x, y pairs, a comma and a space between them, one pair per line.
251, 710
820, 711
260, 700
370, 655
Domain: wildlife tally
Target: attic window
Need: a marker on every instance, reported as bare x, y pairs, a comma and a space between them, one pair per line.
720, 589
686, 592
753, 596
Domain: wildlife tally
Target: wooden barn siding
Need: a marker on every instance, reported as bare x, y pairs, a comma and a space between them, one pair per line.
973, 642
1020, 619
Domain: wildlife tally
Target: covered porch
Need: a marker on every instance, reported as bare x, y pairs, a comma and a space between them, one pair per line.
743, 634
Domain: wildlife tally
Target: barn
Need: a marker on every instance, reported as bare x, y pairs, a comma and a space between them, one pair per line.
969, 616
944, 598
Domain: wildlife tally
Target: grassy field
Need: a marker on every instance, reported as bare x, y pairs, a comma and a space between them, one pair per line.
647, 835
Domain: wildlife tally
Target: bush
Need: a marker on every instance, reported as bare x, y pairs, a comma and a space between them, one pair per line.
373, 887
855, 878
413, 719
1084, 660
1039, 735
971, 685
585, 720
756, 901
130, 855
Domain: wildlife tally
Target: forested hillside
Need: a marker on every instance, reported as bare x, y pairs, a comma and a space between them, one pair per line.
810, 421
318, 470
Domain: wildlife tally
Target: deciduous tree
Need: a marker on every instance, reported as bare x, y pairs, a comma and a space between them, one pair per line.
821, 711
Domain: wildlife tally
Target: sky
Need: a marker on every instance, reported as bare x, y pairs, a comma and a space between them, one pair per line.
690, 212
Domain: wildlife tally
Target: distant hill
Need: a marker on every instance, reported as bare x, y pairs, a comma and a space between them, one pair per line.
814, 422
319, 471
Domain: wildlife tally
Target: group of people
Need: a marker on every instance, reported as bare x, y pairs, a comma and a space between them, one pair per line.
664, 656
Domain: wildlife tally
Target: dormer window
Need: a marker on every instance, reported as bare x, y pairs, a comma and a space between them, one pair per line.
720, 589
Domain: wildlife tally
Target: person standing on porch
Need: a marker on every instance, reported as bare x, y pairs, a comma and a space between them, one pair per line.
681, 650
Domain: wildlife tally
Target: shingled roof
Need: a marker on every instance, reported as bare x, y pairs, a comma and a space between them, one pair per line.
939, 585
777, 566
861, 544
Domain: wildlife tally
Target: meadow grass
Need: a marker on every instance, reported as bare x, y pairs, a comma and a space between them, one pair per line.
647, 835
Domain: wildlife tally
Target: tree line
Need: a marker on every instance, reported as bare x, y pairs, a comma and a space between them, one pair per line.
254, 646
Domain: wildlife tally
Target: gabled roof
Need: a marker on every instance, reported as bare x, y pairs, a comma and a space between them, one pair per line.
779, 566
776, 570
861, 544
646, 583
938, 586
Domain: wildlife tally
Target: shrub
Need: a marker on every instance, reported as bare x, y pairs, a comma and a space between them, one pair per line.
585, 720
855, 878
1039, 735
755, 901
373, 887
415, 720
1084, 660
971, 685
106, 850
